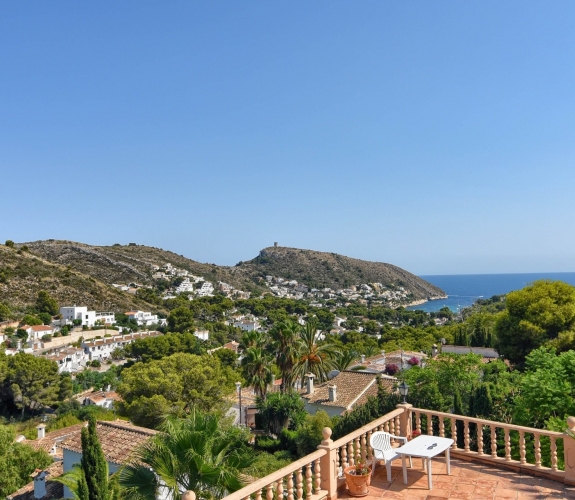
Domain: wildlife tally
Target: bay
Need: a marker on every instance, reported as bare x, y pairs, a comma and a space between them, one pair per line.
464, 289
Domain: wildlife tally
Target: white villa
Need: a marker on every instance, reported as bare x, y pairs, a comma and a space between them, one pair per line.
88, 318
145, 318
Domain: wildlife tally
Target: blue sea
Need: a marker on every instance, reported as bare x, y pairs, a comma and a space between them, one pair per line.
464, 289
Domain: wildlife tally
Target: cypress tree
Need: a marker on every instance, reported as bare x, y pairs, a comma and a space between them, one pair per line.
459, 425
482, 405
94, 463
83, 493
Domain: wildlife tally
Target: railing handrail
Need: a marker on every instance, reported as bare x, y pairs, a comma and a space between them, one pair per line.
246, 491
366, 428
501, 425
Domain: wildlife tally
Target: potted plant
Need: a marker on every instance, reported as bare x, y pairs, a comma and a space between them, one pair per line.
414, 434
358, 478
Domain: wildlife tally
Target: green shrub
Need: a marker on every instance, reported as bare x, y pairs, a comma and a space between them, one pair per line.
269, 444
288, 440
309, 435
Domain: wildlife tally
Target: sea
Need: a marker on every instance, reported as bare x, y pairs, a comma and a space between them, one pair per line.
464, 289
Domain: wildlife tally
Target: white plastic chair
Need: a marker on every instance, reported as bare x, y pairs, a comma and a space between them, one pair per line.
380, 443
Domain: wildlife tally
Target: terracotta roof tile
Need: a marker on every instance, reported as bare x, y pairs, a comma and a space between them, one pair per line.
118, 439
353, 388
53, 490
41, 328
54, 438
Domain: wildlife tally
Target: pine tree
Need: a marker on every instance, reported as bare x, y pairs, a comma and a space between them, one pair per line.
94, 463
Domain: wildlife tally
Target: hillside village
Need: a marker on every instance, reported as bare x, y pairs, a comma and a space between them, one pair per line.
220, 348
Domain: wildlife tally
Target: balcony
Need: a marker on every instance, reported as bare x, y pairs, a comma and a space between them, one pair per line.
493, 460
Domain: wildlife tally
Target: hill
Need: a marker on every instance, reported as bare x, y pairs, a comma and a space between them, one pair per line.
323, 269
135, 263
23, 275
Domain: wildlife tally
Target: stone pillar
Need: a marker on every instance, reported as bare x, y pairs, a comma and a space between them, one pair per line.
329, 466
569, 451
405, 419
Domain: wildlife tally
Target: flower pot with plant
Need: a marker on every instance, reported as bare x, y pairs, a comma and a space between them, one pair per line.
358, 478
414, 434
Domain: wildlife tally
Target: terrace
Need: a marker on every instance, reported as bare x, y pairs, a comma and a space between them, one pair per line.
493, 460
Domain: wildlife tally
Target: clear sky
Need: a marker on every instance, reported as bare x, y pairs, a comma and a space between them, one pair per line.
437, 136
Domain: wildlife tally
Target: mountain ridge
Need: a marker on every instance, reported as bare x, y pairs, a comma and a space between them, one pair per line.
117, 264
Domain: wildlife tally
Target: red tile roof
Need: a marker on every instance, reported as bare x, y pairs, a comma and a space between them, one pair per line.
118, 440
53, 490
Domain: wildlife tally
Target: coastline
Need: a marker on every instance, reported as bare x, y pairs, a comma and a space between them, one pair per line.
424, 301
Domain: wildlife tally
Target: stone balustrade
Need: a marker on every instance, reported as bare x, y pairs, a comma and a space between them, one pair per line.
300, 480
320, 474
534, 450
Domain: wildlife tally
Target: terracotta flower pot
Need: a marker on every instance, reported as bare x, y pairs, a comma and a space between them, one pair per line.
357, 486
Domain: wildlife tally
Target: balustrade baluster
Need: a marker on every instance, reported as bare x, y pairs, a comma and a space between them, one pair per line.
350, 453
429, 425
522, 447
392, 427
493, 441
507, 446
270, 492
369, 450
397, 426
299, 484
363, 448
258, 495
344, 461
308, 481
466, 434
480, 439
553, 453
418, 421
386, 426
280, 488
537, 450
357, 450
441, 427
317, 469
454, 433
289, 485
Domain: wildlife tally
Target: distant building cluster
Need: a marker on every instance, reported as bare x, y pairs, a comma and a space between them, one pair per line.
374, 292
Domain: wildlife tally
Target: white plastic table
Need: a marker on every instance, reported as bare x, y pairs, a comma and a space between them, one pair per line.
425, 447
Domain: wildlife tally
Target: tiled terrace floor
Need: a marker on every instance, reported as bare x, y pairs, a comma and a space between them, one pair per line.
467, 481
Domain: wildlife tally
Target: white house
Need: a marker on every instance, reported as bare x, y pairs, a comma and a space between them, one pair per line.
69, 359
105, 399
207, 289
88, 318
36, 332
202, 334
98, 349
247, 325
144, 318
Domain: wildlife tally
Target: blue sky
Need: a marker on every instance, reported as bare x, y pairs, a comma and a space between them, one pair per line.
437, 136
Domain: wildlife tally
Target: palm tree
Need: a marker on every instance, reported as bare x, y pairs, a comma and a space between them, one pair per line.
313, 357
342, 360
252, 339
285, 344
256, 365
196, 453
